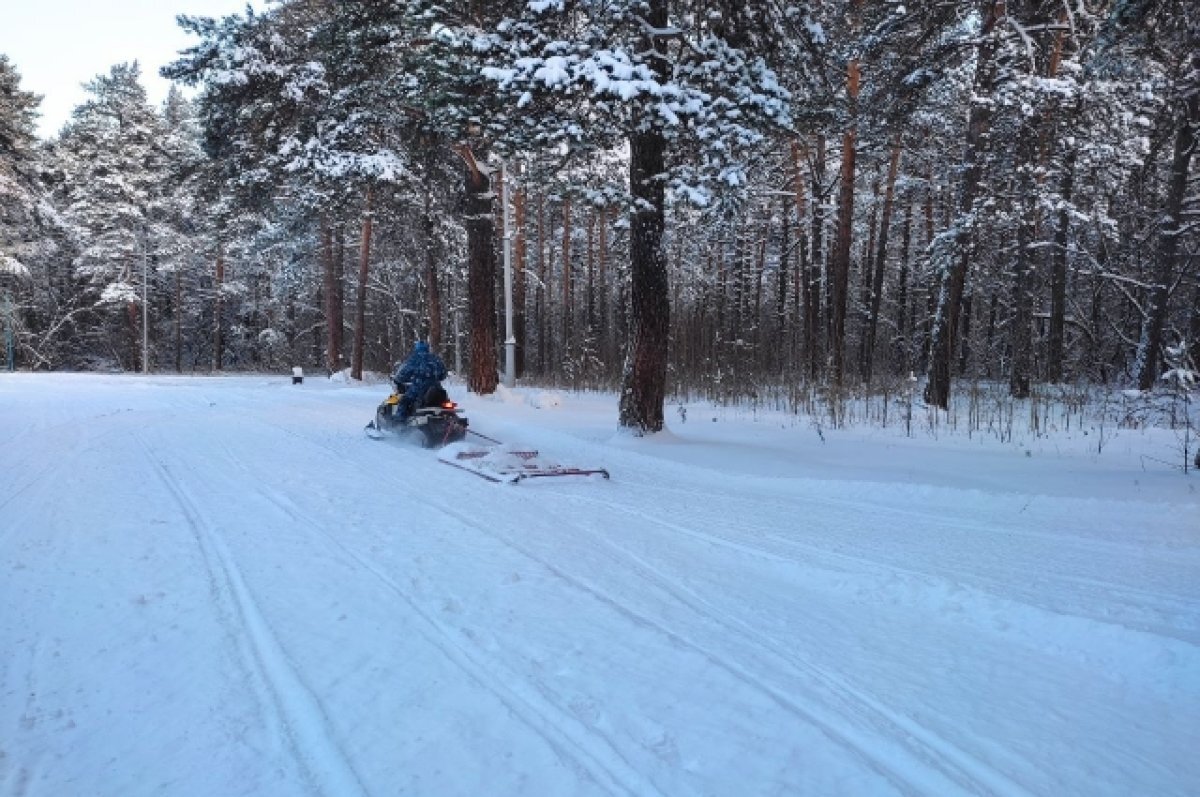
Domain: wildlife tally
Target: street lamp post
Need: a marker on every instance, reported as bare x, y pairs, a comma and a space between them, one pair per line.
510, 340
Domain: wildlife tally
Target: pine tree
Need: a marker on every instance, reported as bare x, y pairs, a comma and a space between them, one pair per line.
113, 177
686, 86
21, 211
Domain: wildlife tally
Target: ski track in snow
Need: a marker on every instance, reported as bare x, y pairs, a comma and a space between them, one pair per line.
957, 766
1149, 610
561, 730
910, 757
994, 588
922, 764
300, 716
622, 553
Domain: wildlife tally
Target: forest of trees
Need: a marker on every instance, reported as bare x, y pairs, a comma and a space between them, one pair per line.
725, 196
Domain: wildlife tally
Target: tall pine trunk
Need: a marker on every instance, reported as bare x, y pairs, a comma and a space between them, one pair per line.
840, 275
605, 332
481, 276
178, 320
519, 281
360, 305
542, 305
954, 272
885, 224
1168, 255
567, 286
903, 337
333, 314
433, 291
339, 287
643, 390
812, 277
1056, 334
218, 311
1056, 338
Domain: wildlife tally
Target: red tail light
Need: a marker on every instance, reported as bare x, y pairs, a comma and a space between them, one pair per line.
448, 405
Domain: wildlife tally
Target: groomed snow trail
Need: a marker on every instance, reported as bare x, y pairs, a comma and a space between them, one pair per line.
220, 586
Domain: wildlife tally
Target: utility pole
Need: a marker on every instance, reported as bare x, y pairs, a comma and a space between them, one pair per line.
510, 340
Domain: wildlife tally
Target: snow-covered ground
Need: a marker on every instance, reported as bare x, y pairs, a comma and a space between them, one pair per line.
220, 586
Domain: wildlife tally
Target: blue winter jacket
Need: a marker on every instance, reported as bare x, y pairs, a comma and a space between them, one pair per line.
422, 370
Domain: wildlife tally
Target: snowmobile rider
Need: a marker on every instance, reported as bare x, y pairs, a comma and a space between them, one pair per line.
422, 370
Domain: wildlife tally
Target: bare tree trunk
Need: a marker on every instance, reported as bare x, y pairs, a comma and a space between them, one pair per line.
1194, 331
333, 321
433, 291
964, 338
219, 309
759, 277
543, 290
954, 272
643, 390
867, 273
590, 298
812, 278
605, 325
1021, 334
881, 257
519, 281
782, 273
481, 275
903, 336
1168, 259
930, 295
178, 320
1056, 340
566, 276
1056, 335
360, 308
339, 289
840, 275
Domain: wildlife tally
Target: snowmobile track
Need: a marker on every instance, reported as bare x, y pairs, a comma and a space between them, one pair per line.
905, 756
1150, 606
943, 760
299, 713
570, 738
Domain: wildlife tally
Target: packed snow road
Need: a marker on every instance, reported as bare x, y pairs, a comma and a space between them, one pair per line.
220, 586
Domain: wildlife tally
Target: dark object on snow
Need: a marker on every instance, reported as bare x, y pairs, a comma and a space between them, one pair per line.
297, 375
434, 416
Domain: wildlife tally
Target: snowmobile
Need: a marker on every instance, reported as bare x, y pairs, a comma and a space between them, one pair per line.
436, 419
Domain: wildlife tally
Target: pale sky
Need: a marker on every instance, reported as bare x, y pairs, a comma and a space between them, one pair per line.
57, 45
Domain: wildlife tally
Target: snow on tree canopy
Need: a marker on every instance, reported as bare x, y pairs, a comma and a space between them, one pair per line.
11, 267
597, 80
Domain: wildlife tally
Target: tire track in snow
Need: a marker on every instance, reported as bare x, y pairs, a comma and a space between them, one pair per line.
967, 771
877, 510
304, 723
900, 741
1146, 607
573, 740
895, 768
909, 756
